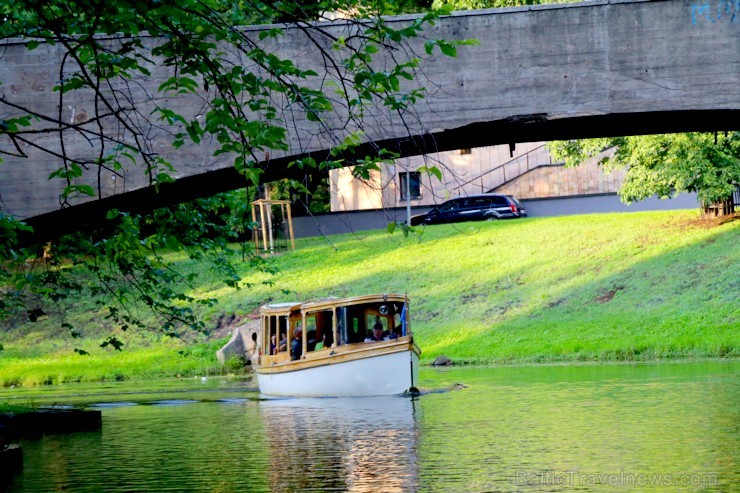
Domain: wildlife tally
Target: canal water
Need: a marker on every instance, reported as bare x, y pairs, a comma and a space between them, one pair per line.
668, 427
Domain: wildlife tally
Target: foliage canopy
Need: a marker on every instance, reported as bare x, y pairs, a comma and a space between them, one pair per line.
249, 99
663, 165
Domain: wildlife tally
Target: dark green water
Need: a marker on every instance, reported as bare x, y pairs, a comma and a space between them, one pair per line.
673, 427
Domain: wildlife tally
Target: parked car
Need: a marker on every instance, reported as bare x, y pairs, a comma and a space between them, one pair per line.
473, 208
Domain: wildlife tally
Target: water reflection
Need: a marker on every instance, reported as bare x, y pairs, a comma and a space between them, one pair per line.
345, 444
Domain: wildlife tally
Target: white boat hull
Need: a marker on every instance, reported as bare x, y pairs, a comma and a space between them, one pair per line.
384, 374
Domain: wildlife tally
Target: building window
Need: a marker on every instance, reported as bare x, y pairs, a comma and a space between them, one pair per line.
465, 151
410, 184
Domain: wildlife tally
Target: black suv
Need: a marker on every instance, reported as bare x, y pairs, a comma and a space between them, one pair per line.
473, 208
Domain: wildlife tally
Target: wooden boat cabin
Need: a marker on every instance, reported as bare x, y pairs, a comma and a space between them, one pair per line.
360, 334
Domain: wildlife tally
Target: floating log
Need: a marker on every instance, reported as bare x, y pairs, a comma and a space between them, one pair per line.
53, 421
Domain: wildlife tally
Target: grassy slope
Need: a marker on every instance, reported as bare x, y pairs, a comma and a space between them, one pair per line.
21, 367
612, 286
593, 287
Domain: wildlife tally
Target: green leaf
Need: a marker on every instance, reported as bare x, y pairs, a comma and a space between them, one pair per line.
445, 9
252, 174
194, 131
75, 190
432, 170
391, 228
468, 42
312, 116
112, 341
76, 82
164, 178
448, 49
429, 46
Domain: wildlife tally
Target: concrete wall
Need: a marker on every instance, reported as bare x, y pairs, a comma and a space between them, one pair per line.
244, 343
566, 206
607, 67
558, 181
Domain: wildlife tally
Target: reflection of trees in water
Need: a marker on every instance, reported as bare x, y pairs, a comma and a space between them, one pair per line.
353, 444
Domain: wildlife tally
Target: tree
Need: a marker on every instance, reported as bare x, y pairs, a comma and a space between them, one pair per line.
227, 87
664, 165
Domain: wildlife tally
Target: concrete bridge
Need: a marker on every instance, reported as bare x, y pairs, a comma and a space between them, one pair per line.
590, 69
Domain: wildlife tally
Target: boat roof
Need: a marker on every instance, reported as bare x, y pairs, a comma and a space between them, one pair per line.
280, 307
285, 308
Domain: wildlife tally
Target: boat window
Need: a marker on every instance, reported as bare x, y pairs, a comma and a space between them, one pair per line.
372, 319
351, 324
319, 330
296, 322
269, 331
283, 333
276, 330
311, 331
355, 323
397, 330
342, 324
311, 322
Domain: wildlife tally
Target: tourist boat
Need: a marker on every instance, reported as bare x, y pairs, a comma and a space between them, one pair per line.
359, 346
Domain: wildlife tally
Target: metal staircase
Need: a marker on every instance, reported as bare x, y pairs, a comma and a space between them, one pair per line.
505, 173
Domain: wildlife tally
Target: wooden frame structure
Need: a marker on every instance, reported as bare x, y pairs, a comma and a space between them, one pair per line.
264, 238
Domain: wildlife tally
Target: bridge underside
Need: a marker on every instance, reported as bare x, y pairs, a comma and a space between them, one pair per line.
523, 129
591, 69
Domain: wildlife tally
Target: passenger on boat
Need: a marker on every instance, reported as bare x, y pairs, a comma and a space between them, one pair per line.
311, 343
320, 343
274, 346
283, 343
296, 345
377, 334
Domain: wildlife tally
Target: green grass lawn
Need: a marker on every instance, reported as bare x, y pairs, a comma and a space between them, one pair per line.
601, 287
174, 359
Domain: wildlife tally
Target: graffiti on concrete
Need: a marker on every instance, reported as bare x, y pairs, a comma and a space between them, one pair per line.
714, 12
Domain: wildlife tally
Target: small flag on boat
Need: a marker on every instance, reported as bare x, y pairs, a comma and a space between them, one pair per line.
403, 320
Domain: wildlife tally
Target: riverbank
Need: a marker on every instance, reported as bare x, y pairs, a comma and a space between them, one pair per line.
604, 287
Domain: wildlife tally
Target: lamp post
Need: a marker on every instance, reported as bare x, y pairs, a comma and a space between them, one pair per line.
408, 195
